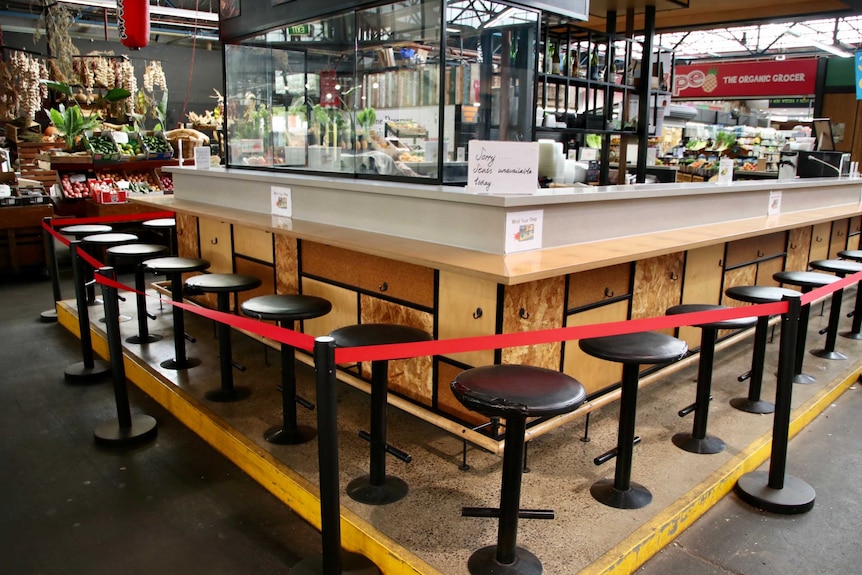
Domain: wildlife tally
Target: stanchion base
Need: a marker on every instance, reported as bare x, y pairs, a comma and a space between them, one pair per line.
635, 497
121, 319
95, 302
745, 404
149, 339
804, 379
795, 497
80, 373
706, 445
110, 433
227, 395
826, 354
351, 564
392, 490
484, 562
48, 316
189, 363
851, 334
278, 435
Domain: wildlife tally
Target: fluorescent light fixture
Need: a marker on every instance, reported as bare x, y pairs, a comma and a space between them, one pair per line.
160, 10
831, 48
501, 17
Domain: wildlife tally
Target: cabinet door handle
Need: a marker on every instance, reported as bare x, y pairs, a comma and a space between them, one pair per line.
478, 313
609, 292
792, 246
720, 262
523, 314
383, 287
674, 276
840, 233
818, 239
214, 241
760, 254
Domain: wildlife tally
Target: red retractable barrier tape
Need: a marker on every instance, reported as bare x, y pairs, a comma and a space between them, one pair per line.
133, 17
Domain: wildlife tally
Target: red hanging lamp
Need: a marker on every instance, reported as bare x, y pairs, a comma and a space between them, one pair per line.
133, 17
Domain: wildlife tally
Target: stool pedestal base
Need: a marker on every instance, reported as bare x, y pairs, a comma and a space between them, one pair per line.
110, 433
804, 379
705, 445
48, 316
484, 562
826, 354
280, 436
80, 373
392, 490
851, 334
795, 497
150, 338
635, 497
747, 405
351, 564
189, 363
228, 395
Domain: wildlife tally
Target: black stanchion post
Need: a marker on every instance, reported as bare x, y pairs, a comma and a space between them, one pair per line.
775, 491
127, 429
90, 369
50, 315
333, 561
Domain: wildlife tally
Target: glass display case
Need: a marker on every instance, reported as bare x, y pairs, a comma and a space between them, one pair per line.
394, 91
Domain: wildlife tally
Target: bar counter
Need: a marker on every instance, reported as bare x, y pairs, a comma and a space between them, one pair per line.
432, 257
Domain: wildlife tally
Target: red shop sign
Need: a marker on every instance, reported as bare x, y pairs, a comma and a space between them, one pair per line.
133, 18
745, 79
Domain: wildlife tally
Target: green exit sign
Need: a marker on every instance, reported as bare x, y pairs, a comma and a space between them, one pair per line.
299, 30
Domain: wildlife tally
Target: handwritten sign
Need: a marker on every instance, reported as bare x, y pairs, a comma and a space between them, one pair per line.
502, 167
524, 231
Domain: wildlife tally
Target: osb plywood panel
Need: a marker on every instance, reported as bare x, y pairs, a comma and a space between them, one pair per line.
446, 401
820, 235
594, 286
345, 307
838, 241
594, 374
187, 236
798, 247
254, 243
286, 265
657, 286
467, 307
541, 303
412, 377
744, 276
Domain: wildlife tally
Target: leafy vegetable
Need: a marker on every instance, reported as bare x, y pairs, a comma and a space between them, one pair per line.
70, 123
594, 141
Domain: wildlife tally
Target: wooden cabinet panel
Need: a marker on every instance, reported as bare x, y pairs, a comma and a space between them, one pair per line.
595, 374
215, 245
658, 286
345, 307
744, 276
265, 273
394, 279
820, 235
446, 401
701, 284
854, 233
765, 271
187, 236
533, 306
838, 239
410, 377
286, 265
798, 248
467, 307
253, 243
594, 286
753, 249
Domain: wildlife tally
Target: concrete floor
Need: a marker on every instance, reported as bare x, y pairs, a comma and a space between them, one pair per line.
187, 508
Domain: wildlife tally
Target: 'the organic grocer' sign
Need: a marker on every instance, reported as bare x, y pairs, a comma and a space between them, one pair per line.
745, 79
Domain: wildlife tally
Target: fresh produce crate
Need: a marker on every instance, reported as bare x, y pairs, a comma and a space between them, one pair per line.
102, 146
166, 181
143, 182
74, 186
156, 146
130, 145
105, 192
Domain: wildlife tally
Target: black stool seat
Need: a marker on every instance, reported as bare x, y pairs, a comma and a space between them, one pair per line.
805, 280
840, 268
92, 243
160, 223
377, 488
223, 285
517, 390
698, 441
286, 309
855, 255
759, 294
631, 350
856, 329
82, 230
173, 268
110, 239
640, 348
138, 253
513, 392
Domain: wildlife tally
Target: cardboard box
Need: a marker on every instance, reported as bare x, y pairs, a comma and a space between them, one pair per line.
115, 196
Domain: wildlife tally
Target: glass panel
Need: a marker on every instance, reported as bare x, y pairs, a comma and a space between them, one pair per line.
248, 105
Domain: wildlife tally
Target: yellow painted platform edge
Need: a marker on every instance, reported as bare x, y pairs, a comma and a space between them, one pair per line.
300, 495
628, 555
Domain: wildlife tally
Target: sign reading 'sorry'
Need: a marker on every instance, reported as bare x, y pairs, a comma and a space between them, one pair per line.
502, 167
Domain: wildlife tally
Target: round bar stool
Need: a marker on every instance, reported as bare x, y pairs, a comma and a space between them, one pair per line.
223, 285
698, 441
96, 244
514, 393
756, 295
166, 227
841, 268
632, 350
805, 281
79, 232
856, 327
377, 488
287, 309
137, 253
173, 268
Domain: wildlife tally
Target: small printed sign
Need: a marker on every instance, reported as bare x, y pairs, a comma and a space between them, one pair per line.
282, 201
523, 231
725, 171
502, 167
774, 204
202, 158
